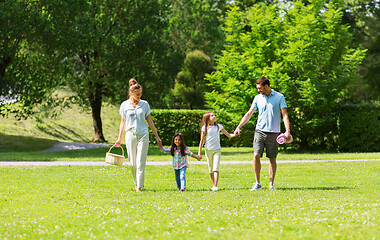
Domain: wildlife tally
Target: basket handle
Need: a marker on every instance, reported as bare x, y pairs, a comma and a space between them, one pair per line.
119, 147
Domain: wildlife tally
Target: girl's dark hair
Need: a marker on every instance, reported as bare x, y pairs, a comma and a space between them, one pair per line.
182, 147
206, 121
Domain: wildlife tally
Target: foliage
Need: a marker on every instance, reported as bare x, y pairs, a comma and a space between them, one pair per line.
303, 49
192, 25
190, 82
169, 122
105, 43
99, 202
196, 24
23, 57
358, 128
188, 122
363, 16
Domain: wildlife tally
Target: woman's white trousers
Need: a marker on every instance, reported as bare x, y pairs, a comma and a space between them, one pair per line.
137, 149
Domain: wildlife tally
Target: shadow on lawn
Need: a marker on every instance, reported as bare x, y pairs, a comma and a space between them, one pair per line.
196, 190
247, 189
314, 188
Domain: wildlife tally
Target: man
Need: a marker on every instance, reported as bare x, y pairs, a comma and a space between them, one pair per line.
270, 105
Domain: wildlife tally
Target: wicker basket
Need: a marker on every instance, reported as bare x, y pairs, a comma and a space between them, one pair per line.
115, 159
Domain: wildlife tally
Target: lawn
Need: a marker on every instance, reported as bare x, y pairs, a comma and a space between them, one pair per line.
331, 200
154, 154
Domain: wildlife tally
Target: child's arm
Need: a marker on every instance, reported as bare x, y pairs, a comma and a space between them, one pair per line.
203, 140
188, 152
165, 150
196, 157
228, 134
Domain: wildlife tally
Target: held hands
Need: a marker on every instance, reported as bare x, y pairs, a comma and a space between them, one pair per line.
159, 142
236, 132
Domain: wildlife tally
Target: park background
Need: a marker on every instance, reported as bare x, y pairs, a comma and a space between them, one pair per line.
65, 67
323, 56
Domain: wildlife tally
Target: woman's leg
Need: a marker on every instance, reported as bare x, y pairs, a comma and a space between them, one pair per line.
141, 155
131, 144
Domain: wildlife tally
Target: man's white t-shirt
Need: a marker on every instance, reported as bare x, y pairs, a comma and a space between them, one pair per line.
212, 137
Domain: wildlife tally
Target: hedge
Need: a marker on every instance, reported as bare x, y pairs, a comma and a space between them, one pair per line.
358, 128
188, 122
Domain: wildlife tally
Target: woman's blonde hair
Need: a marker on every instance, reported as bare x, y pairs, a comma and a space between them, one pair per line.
133, 85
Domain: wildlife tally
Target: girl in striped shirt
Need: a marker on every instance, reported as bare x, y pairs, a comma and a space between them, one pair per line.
179, 151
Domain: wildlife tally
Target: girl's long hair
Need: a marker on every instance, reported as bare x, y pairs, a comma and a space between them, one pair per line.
174, 146
206, 121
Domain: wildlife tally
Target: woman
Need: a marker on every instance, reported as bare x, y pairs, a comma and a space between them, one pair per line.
135, 119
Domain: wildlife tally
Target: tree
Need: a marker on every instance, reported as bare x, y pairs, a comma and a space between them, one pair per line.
23, 73
196, 25
363, 18
303, 49
104, 43
190, 83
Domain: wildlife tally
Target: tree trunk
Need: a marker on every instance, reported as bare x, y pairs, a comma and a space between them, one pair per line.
96, 107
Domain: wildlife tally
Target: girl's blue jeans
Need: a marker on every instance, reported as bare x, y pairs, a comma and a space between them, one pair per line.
180, 177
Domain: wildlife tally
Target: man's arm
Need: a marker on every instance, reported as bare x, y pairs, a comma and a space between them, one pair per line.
285, 118
243, 121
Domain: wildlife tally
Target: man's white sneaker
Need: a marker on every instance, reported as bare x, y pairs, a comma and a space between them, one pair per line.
214, 188
256, 186
271, 187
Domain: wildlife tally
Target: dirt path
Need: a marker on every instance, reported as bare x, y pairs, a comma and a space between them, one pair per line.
67, 146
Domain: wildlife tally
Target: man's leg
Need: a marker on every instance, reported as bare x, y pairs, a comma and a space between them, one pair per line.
272, 151
257, 166
258, 149
272, 170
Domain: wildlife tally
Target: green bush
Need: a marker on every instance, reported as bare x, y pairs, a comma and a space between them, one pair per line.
188, 122
358, 128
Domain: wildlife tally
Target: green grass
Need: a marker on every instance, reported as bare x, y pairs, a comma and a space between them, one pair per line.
334, 200
154, 154
71, 125
9, 143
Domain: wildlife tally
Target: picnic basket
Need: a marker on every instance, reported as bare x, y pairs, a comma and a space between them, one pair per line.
115, 159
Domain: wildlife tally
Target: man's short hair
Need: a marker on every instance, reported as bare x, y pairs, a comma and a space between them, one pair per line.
263, 81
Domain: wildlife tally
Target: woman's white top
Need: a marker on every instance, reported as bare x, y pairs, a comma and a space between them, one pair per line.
212, 137
135, 118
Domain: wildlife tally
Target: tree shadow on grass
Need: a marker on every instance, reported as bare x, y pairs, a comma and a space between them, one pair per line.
314, 188
12, 143
61, 132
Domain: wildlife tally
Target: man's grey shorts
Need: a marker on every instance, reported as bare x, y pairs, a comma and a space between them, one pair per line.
267, 140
